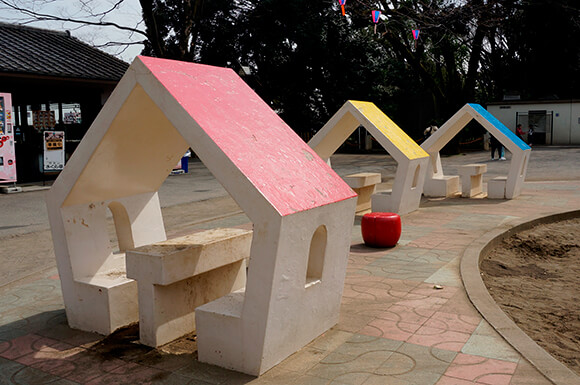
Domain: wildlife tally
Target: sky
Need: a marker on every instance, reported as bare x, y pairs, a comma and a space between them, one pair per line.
128, 14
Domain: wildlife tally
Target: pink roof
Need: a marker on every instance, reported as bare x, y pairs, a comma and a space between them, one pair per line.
275, 160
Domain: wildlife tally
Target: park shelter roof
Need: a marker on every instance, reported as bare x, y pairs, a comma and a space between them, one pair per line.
161, 107
355, 113
34, 51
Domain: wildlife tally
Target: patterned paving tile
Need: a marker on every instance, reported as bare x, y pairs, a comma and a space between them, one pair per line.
176, 379
331, 340
426, 242
486, 342
359, 344
399, 313
481, 370
131, 374
62, 332
14, 373
432, 303
429, 290
444, 380
90, 365
356, 368
7, 334
57, 351
430, 219
409, 274
430, 363
303, 360
459, 304
439, 338
448, 275
21, 346
212, 374
453, 322
399, 331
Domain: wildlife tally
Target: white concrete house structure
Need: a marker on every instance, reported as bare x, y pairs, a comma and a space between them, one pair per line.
301, 210
438, 184
411, 159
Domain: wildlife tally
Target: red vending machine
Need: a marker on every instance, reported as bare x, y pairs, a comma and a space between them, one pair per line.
7, 152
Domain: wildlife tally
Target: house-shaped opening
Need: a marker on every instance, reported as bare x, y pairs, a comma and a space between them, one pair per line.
411, 159
439, 184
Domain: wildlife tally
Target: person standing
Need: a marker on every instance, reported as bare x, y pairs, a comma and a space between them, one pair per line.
496, 146
520, 132
530, 135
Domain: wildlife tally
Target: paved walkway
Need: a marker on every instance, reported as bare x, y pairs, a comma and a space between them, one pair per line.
405, 317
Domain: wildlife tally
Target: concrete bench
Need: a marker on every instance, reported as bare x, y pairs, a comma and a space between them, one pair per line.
178, 275
364, 184
472, 179
442, 186
496, 187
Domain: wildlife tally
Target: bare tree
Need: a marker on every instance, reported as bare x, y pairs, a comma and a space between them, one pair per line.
115, 25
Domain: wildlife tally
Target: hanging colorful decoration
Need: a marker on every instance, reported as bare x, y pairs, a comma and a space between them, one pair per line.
416, 33
376, 15
341, 2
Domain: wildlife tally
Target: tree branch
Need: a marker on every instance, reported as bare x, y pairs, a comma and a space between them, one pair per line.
37, 16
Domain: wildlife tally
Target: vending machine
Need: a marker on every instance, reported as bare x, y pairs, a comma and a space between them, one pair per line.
7, 152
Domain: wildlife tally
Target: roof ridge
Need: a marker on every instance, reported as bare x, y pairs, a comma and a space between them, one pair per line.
22, 26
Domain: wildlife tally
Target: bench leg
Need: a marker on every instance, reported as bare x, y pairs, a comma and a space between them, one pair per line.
363, 202
496, 189
167, 312
472, 187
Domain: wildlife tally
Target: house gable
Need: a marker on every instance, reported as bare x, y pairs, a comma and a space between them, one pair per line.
167, 105
411, 159
505, 187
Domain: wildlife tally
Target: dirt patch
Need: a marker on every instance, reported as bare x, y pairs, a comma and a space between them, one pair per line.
124, 344
534, 276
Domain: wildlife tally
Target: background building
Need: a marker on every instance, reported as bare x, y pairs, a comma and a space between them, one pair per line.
57, 83
555, 122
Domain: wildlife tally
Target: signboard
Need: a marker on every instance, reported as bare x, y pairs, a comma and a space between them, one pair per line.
43, 120
7, 153
53, 150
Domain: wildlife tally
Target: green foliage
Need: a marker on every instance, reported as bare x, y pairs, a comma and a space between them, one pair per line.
191, 30
544, 39
308, 60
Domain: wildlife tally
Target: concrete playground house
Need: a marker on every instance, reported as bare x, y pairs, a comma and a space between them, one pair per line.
411, 159
302, 213
506, 187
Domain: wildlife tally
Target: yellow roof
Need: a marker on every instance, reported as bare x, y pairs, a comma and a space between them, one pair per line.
391, 131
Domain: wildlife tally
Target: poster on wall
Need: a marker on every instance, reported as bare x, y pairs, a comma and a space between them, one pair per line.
43, 120
53, 150
7, 151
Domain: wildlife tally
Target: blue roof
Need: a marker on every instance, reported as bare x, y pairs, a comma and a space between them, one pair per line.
499, 125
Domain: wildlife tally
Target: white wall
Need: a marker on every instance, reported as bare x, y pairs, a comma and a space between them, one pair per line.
575, 123
565, 118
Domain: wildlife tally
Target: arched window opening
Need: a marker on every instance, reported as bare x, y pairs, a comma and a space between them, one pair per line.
120, 232
416, 176
316, 256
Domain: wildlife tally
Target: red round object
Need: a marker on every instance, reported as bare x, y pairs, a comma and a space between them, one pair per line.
381, 229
